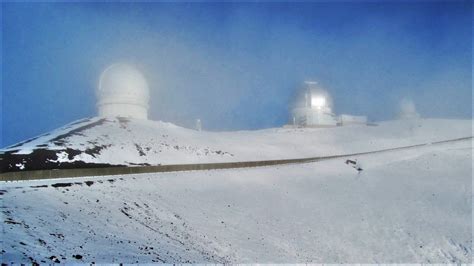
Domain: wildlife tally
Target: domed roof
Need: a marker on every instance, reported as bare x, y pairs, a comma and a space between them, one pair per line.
314, 96
122, 83
407, 109
319, 96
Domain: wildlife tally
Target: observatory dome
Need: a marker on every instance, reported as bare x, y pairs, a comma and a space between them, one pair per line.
313, 96
407, 110
123, 91
314, 107
318, 97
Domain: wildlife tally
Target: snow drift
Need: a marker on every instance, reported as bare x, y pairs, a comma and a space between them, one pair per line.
406, 206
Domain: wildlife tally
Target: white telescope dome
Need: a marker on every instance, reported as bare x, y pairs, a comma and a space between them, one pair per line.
407, 110
315, 97
123, 91
314, 107
319, 98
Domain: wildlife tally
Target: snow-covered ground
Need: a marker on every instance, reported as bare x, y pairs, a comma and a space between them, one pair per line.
142, 142
412, 205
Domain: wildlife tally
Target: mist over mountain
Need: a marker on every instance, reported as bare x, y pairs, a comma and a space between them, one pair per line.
234, 65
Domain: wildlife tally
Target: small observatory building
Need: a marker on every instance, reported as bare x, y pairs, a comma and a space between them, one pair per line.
123, 92
314, 107
407, 110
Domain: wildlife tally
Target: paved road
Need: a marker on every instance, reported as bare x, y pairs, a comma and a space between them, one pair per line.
63, 173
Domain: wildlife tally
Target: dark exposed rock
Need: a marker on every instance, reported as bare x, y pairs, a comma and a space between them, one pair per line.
10, 221
140, 150
60, 138
54, 259
61, 185
96, 150
43, 159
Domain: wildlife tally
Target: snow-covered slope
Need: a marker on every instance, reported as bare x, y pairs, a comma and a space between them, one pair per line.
410, 205
97, 142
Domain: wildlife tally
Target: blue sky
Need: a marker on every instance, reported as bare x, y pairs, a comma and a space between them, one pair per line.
234, 65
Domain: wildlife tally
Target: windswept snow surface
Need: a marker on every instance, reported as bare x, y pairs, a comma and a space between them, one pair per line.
121, 141
410, 205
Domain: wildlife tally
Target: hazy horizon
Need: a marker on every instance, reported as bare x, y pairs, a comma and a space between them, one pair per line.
234, 65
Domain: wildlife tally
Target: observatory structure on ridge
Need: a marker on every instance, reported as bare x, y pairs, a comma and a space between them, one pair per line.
407, 110
123, 92
314, 109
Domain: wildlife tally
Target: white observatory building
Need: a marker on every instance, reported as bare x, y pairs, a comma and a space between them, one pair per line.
407, 110
123, 92
314, 107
